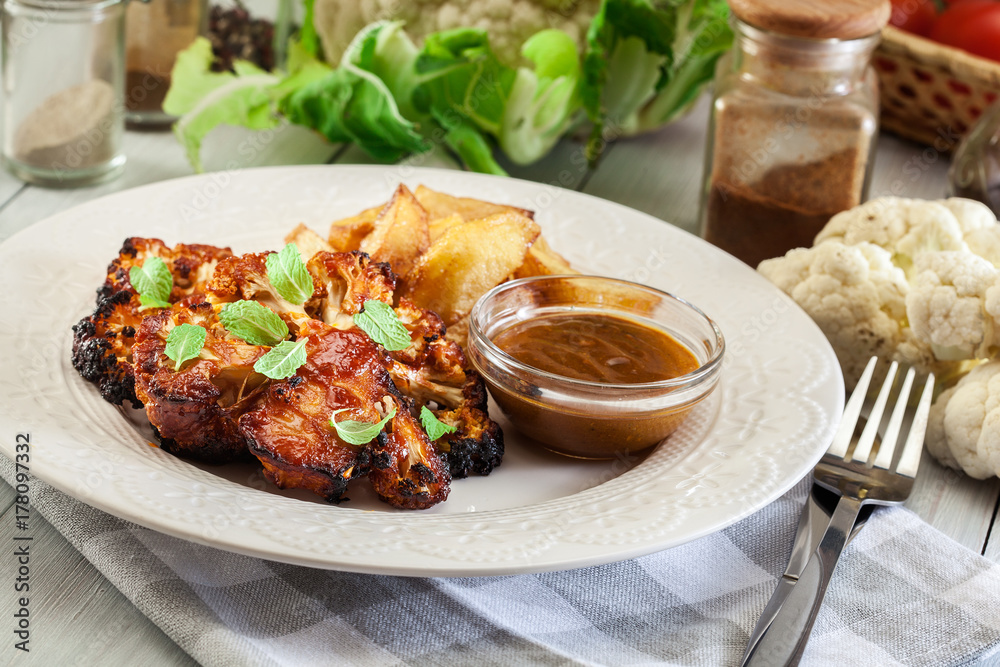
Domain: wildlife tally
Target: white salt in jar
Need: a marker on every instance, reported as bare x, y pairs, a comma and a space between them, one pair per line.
63, 90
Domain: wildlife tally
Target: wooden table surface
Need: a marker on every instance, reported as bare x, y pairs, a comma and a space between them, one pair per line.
79, 617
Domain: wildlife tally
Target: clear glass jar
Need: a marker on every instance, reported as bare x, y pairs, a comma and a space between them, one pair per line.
975, 166
156, 31
792, 129
63, 79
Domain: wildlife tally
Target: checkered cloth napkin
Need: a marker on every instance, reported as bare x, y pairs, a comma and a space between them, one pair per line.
903, 594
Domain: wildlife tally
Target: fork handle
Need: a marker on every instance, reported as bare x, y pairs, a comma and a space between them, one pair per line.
785, 639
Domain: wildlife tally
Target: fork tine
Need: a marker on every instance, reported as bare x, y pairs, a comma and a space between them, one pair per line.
852, 412
910, 459
867, 439
884, 458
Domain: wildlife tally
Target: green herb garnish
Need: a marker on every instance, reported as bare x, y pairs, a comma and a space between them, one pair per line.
282, 361
153, 282
255, 323
379, 321
289, 276
435, 427
358, 433
185, 342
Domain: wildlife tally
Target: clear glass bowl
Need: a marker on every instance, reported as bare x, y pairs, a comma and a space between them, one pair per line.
583, 418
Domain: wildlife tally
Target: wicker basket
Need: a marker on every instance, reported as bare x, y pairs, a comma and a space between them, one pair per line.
932, 93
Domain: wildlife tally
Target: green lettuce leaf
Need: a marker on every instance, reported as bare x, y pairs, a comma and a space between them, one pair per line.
351, 103
543, 102
204, 99
646, 62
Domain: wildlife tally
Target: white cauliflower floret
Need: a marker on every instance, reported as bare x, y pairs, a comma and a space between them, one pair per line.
904, 227
935, 440
509, 22
964, 427
954, 304
857, 297
972, 215
985, 242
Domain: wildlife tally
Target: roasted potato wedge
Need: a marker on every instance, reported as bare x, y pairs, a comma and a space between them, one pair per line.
346, 234
308, 242
439, 226
542, 260
467, 261
400, 234
440, 205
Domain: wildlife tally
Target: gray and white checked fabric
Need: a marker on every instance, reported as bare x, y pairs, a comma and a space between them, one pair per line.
904, 594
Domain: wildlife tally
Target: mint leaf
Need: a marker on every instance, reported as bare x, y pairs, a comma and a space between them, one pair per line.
153, 281
282, 361
184, 342
255, 323
378, 320
435, 427
358, 433
289, 276
145, 303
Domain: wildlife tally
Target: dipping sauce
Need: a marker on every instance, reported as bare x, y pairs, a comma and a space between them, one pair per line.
597, 348
593, 367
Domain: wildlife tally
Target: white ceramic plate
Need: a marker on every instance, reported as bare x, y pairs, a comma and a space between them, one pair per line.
765, 427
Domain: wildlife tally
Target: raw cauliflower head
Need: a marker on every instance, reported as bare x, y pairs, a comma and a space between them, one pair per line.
954, 304
963, 430
857, 296
509, 22
904, 227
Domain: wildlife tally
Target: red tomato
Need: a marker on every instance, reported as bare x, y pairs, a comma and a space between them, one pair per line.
914, 16
971, 25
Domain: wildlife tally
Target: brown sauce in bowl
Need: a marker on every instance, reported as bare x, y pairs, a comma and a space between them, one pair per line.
597, 348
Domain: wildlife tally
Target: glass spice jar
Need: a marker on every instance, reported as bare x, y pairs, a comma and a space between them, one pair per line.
793, 123
155, 32
63, 78
975, 166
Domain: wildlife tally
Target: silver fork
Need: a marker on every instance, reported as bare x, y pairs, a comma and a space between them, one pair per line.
861, 475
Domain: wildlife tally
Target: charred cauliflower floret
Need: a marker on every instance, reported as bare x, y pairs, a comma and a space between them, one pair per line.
343, 282
433, 371
102, 347
292, 435
102, 342
244, 277
191, 265
195, 408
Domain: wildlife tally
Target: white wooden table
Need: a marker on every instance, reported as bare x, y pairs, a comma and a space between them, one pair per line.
81, 619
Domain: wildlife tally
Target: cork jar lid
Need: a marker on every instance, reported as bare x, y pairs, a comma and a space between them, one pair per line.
816, 19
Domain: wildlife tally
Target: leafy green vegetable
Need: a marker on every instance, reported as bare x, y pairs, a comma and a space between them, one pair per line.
289, 276
543, 102
646, 62
283, 360
358, 433
153, 282
253, 322
379, 321
185, 342
205, 99
351, 103
435, 427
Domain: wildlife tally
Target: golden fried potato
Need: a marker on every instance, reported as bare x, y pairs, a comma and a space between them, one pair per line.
308, 242
467, 261
400, 234
440, 205
542, 260
346, 234
439, 226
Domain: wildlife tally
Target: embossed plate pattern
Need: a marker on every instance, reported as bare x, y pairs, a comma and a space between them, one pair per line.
763, 429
